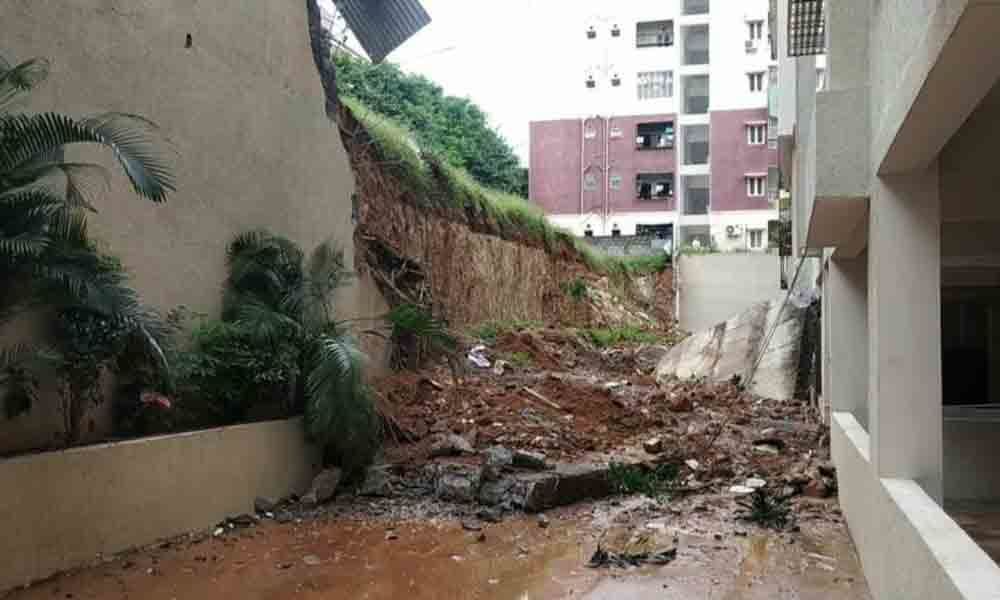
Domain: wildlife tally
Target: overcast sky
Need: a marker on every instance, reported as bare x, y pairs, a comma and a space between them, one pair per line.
503, 55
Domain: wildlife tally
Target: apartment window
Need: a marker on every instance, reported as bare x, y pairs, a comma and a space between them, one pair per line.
820, 79
589, 182
695, 90
756, 134
616, 132
755, 185
756, 81
696, 7
756, 30
654, 186
589, 133
696, 144
655, 136
615, 182
654, 34
655, 84
756, 239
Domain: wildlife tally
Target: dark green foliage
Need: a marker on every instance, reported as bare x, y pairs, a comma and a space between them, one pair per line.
279, 346
491, 330
766, 508
453, 128
47, 258
417, 334
576, 289
604, 338
654, 482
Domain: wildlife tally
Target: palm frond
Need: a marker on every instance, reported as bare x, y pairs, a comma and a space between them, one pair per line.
20, 365
339, 409
264, 324
34, 199
261, 266
325, 272
22, 245
20, 78
27, 139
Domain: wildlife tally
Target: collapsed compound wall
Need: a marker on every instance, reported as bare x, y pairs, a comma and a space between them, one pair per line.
469, 269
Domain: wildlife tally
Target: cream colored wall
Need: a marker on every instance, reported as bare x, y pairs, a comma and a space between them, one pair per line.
244, 111
60, 510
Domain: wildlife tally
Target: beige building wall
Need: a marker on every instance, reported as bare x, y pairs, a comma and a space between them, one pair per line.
243, 108
60, 510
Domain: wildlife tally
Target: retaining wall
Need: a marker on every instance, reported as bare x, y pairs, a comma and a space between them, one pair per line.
60, 510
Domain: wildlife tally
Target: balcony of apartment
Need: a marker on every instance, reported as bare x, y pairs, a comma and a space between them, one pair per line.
697, 196
658, 135
654, 189
695, 40
696, 149
695, 99
654, 34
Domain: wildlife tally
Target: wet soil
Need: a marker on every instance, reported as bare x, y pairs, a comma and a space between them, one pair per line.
438, 559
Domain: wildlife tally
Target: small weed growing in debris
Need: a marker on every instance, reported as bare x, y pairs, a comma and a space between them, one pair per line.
491, 330
637, 479
576, 289
604, 338
766, 508
521, 359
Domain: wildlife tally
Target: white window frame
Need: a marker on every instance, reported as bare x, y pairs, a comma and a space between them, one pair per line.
756, 79
653, 85
756, 134
759, 234
756, 186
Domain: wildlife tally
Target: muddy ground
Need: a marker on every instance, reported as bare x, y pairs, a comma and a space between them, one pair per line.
554, 393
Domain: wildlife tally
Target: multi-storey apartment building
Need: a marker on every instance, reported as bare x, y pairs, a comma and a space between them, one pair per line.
667, 129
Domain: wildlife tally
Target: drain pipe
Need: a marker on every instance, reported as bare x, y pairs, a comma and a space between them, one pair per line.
607, 171
583, 167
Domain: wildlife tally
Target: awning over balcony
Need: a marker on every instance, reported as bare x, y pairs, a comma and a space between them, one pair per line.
806, 28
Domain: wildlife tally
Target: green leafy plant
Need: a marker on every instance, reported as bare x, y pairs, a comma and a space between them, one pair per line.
47, 257
279, 301
766, 508
489, 331
521, 359
576, 289
416, 334
614, 336
655, 482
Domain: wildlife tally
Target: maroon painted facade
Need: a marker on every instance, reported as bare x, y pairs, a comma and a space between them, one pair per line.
564, 152
562, 155
733, 158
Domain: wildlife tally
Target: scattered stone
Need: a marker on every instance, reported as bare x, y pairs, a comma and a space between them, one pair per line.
219, 531
481, 537
489, 515
284, 565
653, 445
471, 525
323, 487
496, 493
377, 483
457, 486
568, 484
816, 489
692, 464
766, 449
755, 483
543, 521
535, 461
263, 505
450, 445
312, 560
391, 535
495, 460
681, 404
740, 490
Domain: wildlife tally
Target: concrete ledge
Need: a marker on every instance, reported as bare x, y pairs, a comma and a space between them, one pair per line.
60, 510
909, 547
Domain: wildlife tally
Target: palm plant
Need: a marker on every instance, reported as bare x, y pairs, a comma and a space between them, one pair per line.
46, 255
276, 296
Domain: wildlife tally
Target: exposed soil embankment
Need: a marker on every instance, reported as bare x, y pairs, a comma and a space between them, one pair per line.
469, 267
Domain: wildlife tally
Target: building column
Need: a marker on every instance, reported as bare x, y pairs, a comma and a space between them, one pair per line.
904, 320
846, 291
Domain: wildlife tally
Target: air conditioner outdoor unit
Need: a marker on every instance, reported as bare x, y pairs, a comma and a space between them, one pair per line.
734, 231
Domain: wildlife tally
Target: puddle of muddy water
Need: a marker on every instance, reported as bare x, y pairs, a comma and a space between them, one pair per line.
517, 560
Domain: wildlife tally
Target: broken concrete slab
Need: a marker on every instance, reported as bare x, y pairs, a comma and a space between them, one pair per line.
733, 348
567, 484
